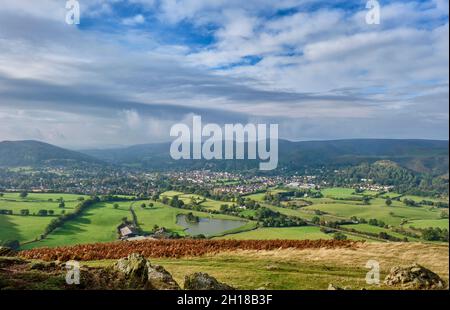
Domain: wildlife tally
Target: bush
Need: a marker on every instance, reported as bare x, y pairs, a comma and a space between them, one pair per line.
13, 244
339, 236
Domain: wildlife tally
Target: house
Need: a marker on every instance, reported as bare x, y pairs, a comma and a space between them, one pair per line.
127, 231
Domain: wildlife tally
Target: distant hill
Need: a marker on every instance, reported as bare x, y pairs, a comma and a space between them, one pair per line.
35, 153
424, 156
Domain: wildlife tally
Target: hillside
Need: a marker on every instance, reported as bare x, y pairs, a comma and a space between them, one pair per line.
35, 153
424, 156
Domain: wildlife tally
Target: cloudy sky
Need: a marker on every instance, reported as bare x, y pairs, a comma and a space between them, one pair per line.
133, 68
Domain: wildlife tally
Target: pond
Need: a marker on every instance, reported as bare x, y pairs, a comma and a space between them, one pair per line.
208, 226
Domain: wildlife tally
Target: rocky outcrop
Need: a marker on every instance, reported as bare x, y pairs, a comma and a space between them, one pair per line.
139, 273
332, 287
203, 281
414, 276
160, 279
135, 270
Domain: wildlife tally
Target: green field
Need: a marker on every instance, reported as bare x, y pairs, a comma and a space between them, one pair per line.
376, 230
377, 209
28, 228
339, 192
442, 223
97, 224
187, 198
260, 196
22, 228
288, 233
165, 216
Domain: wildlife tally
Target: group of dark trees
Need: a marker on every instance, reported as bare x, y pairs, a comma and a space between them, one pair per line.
435, 234
270, 218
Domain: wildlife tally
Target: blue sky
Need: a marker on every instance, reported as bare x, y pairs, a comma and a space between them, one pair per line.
133, 68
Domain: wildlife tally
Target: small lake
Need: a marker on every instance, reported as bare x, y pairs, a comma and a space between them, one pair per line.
208, 226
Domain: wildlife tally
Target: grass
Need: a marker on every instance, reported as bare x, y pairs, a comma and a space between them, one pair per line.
305, 269
97, 224
260, 196
392, 215
339, 192
376, 230
288, 233
41, 196
419, 199
22, 228
28, 228
187, 198
442, 223
165, 216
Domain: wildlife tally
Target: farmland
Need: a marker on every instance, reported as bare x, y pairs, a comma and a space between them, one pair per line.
28, 228
99, 222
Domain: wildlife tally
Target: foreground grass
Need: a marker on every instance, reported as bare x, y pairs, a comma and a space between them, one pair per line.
305, 269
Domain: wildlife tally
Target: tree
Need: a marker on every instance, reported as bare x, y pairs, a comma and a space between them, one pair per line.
23, 194
25, 212
388, 202
116, 206
2, 194
42, 212
143, 206
13, 244
316, 220
62, 205
51, 212
339, 236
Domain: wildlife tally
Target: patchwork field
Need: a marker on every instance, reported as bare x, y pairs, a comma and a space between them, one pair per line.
99, 222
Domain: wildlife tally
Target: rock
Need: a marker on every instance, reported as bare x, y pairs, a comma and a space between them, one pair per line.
332, 287
160, 279
414, 276
5, 251
135, 269
139, 273
203, 281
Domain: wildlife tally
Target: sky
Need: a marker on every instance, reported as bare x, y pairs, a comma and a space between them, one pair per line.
133, 68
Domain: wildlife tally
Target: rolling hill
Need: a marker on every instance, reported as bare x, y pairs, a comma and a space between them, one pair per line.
423, 156
35, 153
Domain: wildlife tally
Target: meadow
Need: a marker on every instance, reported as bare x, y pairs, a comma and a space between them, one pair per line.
28, 228
99, 223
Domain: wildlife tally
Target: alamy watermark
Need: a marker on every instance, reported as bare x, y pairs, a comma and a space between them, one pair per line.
73, 273
73, 12
373, 276
220, 144
373, 15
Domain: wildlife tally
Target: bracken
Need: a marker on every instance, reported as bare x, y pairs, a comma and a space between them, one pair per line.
174, 248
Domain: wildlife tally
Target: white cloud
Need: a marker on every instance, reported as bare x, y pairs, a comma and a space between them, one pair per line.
314, 65
133, 21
